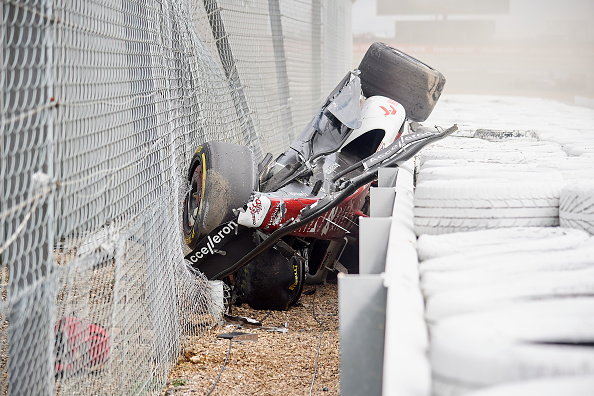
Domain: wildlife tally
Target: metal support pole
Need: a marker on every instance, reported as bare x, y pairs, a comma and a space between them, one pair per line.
387, 177
382, 201
374, 233
282, 77
28, 233
316, 52
230, 67
362, 312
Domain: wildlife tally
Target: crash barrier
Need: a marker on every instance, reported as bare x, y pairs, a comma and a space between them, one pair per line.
103, 105
505, 266
506, 306
383, 332
576, 205
495, 295
505, 258
501, 305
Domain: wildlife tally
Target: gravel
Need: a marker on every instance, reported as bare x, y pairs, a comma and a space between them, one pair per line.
275, 364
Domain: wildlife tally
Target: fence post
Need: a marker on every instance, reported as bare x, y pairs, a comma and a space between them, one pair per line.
316, 53
28, 233
282, 77
230, 67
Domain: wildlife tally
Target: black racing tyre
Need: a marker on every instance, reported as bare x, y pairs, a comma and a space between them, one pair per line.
222, 177
389, 72
296, 287
272, 281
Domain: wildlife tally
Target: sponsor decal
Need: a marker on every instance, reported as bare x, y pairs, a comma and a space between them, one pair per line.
329, 223
255, 209
213, 240
390, 111
296, 193
399, 145
255, 213
296, 274
278, 214
328, 220
189, 239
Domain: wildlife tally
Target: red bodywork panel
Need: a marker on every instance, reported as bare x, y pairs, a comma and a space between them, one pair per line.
332, 225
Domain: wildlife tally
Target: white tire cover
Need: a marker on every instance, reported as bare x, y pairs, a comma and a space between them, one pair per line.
483, 156
565, 386
498, 152
580, 148
576, 205
571, 176
455, 141
541, 146
581, 163
499, 175
500, 269
497, 135
534, 258
478, 165
538, 285
472, 359
576, 168
571, 168
459, 205
463, 143
486, 242
566, 320
569, 136
447, 387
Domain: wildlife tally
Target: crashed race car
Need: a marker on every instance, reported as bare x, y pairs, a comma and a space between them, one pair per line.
264, 228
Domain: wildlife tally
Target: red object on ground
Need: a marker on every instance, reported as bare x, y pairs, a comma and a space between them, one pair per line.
80, 345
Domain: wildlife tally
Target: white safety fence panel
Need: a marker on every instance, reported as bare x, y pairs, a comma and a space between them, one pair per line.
102, 107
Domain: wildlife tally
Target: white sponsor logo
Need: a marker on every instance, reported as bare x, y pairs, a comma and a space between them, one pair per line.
212, 240
277, 214
255, 212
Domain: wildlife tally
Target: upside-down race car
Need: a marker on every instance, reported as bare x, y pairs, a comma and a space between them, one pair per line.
264, 228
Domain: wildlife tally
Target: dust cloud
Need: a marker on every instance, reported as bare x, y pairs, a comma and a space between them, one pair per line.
535, 48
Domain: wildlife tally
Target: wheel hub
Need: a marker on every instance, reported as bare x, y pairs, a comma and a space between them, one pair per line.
194, 197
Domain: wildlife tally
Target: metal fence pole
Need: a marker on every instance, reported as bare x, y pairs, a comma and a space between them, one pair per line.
316, 53
29, 255
282, 77
229, 65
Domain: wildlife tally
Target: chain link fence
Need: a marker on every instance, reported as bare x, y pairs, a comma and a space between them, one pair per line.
103, 104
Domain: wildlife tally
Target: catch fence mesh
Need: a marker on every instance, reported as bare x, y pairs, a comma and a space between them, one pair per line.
103, 104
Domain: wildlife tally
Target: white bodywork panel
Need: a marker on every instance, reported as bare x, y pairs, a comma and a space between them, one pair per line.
256, 212
379, 113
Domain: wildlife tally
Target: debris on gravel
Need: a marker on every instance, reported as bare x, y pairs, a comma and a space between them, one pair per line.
277, 363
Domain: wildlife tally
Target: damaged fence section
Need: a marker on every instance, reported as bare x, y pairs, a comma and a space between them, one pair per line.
102, 106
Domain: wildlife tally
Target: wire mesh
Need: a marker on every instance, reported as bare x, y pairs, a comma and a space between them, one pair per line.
103, 104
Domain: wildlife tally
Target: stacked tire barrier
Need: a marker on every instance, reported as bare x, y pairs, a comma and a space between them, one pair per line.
503, 310
576, 206
506, 253
103, 105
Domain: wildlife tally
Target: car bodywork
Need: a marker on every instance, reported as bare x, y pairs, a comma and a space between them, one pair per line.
318, 188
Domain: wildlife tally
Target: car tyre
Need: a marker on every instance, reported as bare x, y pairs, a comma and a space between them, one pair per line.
389, 72
222, 178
